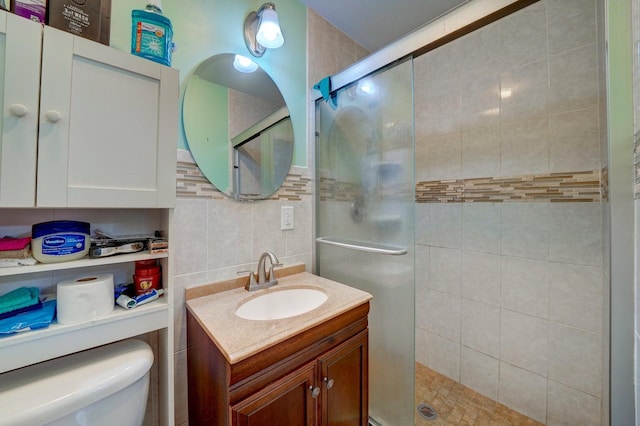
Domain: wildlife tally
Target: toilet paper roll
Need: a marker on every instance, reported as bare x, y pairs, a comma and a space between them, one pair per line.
85, 299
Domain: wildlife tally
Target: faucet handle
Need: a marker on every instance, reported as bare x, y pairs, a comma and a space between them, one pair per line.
252, 279
271, 273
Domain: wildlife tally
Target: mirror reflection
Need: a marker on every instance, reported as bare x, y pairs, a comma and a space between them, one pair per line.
238, 127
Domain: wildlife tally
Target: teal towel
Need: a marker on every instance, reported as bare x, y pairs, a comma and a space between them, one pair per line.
324, 87
19, 298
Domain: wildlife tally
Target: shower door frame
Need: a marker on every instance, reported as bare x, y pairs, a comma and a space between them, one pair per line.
466, 18
392, 329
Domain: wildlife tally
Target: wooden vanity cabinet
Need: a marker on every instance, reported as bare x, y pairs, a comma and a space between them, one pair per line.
289, 401
344, 383
318, 377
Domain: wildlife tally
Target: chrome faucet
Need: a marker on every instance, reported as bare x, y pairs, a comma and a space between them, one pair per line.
265, 280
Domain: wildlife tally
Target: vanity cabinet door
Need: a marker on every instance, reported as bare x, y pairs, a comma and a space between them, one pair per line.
344, 382
20, 46
289, 401
108, 126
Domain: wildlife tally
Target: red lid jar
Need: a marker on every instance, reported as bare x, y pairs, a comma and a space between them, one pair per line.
147, 276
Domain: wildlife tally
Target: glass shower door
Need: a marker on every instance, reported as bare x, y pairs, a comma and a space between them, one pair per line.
365, 220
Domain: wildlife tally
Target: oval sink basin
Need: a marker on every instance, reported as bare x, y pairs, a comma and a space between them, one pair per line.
281, 304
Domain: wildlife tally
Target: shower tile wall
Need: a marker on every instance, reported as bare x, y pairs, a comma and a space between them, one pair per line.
329, 49
509, 245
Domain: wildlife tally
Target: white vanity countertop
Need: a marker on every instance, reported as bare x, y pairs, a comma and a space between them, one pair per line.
239, 338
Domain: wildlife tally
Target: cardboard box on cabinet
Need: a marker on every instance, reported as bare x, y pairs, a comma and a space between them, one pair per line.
86, 18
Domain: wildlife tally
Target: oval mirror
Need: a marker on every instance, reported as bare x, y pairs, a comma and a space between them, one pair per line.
238, 128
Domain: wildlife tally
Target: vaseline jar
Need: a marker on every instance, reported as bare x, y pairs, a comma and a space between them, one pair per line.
60, 240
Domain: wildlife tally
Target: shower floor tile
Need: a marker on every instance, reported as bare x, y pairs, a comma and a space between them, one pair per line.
456, 404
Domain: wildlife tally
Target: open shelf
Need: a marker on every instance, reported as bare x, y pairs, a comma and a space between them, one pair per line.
81, 263
29, 347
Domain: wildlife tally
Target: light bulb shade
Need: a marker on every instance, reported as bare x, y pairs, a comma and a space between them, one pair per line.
269, 33
262, 30
244, 64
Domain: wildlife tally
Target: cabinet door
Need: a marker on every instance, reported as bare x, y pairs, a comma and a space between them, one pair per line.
288, 402
344, 382
108, 127
20, 46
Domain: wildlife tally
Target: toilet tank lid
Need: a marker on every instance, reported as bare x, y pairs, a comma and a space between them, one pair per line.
50, 389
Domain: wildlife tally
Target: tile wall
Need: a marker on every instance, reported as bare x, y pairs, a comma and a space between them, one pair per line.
329, 50
509, 236
217, 237
245, 110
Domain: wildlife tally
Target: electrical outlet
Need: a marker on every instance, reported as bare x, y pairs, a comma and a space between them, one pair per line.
286, 218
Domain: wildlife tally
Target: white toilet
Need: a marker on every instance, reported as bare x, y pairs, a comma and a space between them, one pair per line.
104, 386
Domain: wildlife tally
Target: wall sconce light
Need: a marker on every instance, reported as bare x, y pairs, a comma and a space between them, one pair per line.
262, 30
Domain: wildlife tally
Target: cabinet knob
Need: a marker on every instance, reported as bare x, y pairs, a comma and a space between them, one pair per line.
53, 116
19, 110
315, 391
328, 382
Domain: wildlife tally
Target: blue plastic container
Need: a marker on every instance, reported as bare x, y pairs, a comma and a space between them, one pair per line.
151, 36
60, 240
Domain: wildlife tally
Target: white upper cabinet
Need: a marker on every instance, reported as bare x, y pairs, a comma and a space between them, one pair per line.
106, 127
20, 44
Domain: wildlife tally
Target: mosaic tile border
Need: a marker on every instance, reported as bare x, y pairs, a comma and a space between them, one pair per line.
576, 187
636, 165
191, 183
331, 189
604, 185
582, 187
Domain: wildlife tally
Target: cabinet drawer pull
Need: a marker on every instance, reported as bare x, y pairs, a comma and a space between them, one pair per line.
19, 110
53, 116
328, 382
315, 391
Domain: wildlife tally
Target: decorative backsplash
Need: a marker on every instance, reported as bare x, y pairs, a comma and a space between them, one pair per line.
604, 184
636, 164
331, 189
553, 187
191, 183
581, 187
